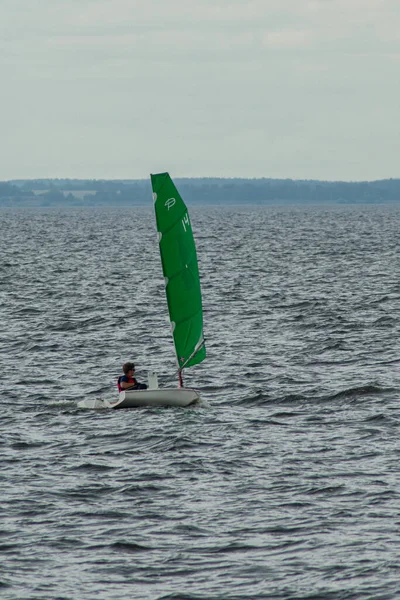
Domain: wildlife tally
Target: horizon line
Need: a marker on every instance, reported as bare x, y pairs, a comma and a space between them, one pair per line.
177, 177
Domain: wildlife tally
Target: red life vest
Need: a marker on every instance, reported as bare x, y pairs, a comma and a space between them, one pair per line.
131, 380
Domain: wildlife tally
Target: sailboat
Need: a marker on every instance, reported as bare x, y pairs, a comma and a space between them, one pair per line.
183, 292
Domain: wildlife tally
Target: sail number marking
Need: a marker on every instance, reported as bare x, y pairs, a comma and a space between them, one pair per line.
185, 221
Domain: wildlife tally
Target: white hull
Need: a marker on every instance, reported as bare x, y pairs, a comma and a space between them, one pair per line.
159, 397
155, 397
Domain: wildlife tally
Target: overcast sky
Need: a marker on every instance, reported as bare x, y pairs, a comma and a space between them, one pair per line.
305, 89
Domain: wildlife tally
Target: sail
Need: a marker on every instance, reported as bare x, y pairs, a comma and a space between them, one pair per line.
181, 272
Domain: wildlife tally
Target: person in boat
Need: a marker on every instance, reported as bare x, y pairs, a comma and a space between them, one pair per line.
127, 381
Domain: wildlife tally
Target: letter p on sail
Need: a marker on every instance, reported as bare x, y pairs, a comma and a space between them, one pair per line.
170, 203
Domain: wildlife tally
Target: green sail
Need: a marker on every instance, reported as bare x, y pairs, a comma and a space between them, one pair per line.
181, 272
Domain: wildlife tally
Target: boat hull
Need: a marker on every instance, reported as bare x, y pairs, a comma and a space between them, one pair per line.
158, 397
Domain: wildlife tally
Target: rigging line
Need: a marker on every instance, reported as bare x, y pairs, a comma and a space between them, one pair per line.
198, 347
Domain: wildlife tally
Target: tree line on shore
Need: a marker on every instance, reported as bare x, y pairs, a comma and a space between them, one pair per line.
216, 191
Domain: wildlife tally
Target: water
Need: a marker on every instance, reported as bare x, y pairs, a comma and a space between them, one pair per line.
284, 483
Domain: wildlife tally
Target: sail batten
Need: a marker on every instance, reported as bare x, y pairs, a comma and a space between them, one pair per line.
180, 270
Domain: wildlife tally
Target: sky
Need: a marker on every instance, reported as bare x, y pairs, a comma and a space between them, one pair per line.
109, 89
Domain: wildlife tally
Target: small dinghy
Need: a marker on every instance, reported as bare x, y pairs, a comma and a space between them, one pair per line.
183, 292
153, 396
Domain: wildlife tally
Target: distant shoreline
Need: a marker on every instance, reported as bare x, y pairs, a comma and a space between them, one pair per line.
211, 191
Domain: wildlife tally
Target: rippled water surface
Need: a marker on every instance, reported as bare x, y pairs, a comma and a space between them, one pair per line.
283, 483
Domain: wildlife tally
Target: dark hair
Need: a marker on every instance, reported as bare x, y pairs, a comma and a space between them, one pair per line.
127, 367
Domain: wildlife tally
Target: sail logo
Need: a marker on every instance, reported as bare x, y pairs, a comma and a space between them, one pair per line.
170, 203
